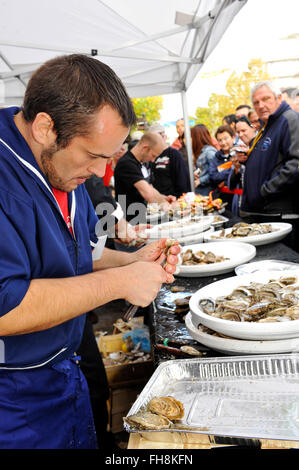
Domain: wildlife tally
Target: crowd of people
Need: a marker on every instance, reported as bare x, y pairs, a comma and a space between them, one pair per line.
60, 153
251, 162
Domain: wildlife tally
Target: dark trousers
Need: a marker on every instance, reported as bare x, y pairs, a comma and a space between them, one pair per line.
94, 371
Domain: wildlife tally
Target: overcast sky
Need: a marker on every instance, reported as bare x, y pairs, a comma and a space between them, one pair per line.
256, 32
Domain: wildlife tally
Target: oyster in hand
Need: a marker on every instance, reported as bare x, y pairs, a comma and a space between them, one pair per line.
147, 420
167, 407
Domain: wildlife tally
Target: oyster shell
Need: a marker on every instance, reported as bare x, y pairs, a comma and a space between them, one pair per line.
167, 407
288, 280
148, 420
191, 351
168, 244
207, 305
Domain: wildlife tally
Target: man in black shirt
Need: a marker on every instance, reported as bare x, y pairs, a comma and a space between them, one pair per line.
132, 189
169, 172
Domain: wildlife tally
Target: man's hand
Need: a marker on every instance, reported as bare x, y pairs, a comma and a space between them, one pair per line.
168, 203
155, 251
141, 282
236, 163
128, 234
170, 199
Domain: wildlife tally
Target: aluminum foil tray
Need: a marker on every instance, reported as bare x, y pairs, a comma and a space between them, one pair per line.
254, 397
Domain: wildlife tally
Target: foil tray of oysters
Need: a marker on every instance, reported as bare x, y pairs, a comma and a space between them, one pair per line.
255, 397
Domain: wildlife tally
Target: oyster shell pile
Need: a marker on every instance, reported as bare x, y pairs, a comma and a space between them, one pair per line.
277, 300
191, 258
159, 413
243, 229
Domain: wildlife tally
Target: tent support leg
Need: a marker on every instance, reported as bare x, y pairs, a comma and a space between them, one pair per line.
188, 138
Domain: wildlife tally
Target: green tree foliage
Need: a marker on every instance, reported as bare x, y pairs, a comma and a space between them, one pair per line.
238, 92
148, 108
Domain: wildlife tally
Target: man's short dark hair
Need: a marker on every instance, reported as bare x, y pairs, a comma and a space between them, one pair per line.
241, 106
230, 118
222, 129
244, 119
71, 89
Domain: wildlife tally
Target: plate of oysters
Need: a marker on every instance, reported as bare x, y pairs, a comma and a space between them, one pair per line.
204, 259
233, 346
256, 234
179, 228
259, 306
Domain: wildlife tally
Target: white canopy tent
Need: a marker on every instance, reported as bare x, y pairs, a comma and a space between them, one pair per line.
155, 47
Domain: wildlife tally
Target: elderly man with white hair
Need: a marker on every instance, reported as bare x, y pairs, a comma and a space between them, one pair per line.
271, 175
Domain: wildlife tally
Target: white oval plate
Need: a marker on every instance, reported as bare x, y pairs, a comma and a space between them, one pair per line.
283, 230
239, 346
238, 253
265, 265
172, 230
242, 330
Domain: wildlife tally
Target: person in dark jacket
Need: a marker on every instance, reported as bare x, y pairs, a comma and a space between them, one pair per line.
169, 172
247, 133
270, 189
220, 165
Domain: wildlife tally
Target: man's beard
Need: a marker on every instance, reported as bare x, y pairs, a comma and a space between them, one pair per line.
49, 169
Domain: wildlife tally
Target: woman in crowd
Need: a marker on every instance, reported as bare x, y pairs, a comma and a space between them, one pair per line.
203, 152
220, 165
179, 143
247, 133
230, 120
254, 119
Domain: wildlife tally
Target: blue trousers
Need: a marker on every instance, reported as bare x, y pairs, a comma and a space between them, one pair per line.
46, 408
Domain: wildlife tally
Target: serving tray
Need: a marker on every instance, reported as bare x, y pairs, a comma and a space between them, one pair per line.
254, 397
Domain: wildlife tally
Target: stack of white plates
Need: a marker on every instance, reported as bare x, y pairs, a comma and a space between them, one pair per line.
179, 229
241, 337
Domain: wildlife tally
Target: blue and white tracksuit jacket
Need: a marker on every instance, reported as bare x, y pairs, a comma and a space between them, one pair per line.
35, 243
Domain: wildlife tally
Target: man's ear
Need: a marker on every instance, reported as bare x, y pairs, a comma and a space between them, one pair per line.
280, 99
43, 129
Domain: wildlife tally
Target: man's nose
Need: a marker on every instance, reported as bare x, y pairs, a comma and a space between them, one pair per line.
98, 168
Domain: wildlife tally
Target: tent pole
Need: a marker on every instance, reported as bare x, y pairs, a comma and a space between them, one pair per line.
188, 138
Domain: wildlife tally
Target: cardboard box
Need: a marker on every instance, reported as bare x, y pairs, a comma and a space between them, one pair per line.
121, 401
110, 343
121, 375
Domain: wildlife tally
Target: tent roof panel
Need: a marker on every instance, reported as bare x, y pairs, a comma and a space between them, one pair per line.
139, 40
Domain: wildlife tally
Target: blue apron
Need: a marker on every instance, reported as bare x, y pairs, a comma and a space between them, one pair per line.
57, 415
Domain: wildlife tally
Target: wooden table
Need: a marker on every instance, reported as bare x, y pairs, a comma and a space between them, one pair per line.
201, 441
